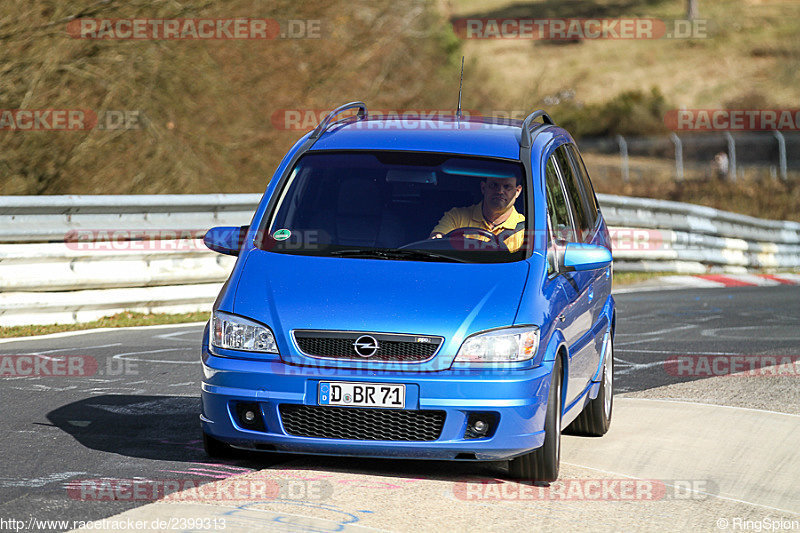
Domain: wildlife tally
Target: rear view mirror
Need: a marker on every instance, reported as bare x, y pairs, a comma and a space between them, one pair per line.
226, 239
580, 257
411, 176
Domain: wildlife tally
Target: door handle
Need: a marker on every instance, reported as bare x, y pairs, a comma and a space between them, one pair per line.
561, 317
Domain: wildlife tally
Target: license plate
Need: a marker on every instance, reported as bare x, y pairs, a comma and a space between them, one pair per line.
362, 394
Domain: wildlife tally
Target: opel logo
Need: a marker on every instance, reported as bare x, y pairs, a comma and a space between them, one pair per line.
366, 346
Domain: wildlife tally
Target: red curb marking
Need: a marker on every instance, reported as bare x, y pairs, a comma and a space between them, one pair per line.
728, 282
779, 280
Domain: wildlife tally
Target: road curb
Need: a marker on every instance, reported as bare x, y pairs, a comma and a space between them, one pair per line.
711, 281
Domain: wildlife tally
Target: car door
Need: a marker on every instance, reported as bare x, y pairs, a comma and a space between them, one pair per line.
578, 286
601, 282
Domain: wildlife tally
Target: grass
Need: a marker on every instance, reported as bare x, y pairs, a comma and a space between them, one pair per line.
120, 320
629, 278
206, 106
756, 194
747, 51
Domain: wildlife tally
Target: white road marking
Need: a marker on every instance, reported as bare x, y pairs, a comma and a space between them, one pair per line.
38, 481
658, 331
634, 366
678, 352
170, 337
124, 356
162, 406
97, 330
618, 344
76, 348
720, 332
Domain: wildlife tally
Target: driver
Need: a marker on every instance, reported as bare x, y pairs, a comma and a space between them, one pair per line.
495, 214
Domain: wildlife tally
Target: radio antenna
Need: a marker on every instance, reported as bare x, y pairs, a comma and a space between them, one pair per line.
460, 83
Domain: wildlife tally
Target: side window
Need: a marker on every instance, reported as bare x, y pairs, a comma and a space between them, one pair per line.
557, 208
591, 200
582, 224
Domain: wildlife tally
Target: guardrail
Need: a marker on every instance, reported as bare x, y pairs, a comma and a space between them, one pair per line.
77, 258
53, 218
687, 238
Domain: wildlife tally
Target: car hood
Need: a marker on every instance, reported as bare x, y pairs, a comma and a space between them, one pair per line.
451, 300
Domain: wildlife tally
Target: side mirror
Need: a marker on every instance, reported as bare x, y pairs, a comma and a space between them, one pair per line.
226, 239
580, 257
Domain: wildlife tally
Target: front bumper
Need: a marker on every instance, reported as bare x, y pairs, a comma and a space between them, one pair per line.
516, 397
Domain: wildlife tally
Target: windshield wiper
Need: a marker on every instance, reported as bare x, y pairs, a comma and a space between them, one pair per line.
384, 253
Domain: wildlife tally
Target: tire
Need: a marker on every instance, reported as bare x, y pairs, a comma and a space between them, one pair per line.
217, 449
595, 419
542, 463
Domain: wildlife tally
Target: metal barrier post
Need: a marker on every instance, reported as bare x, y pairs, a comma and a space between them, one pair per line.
781, 153
731, 155
678, 156
623, 154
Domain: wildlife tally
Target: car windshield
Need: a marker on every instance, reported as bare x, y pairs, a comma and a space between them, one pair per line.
401, 206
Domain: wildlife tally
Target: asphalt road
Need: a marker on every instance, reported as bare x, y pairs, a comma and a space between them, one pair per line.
135, 418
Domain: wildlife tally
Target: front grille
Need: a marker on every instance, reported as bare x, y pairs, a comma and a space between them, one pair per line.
392, 348
356, 423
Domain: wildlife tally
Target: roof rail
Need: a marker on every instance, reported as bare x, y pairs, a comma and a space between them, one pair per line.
326, 122
525, 139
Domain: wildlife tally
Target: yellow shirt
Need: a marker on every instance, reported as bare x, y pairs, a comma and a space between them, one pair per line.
472, 217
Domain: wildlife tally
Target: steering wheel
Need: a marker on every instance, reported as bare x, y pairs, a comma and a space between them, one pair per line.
459, 234
457, 237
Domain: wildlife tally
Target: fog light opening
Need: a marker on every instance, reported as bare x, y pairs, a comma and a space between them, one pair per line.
248, 416
480, 425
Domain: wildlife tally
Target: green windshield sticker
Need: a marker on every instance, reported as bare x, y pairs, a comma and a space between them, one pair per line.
281, 234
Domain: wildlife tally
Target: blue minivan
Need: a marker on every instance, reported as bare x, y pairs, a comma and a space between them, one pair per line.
436, 288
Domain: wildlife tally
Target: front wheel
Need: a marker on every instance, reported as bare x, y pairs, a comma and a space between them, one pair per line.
217, 449
542, 463
595, 419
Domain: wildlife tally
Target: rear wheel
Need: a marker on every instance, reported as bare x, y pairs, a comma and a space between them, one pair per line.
595, 419
542, 463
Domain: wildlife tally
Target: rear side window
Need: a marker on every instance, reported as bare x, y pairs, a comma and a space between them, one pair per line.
576, 200
580, 169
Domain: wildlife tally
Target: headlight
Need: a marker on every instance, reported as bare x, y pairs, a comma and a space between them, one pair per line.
507, 345
236, 333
